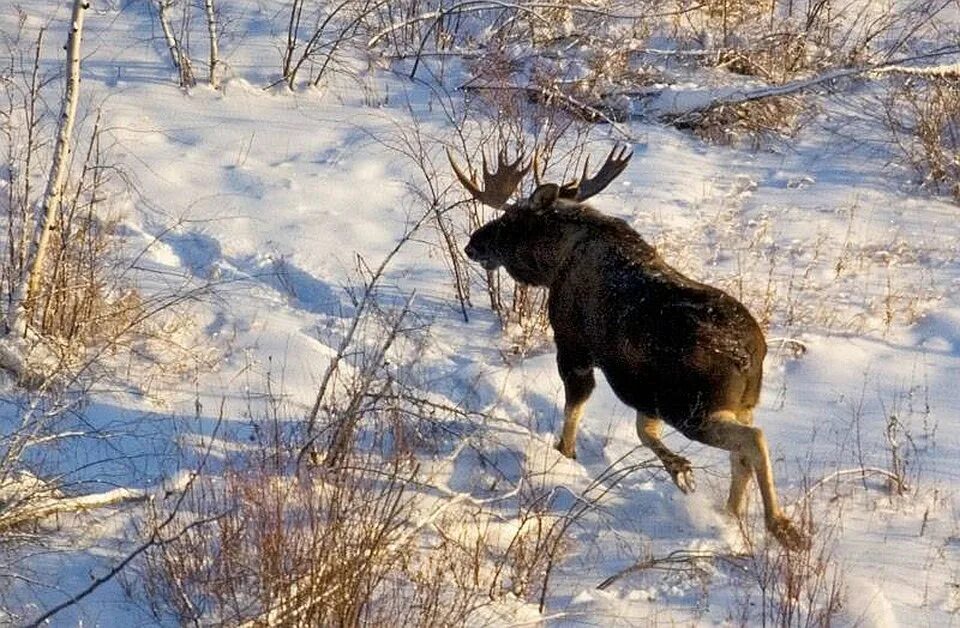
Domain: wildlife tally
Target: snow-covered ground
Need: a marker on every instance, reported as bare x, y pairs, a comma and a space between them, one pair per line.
273, 196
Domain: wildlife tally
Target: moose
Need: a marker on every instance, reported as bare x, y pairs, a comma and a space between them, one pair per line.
677, 351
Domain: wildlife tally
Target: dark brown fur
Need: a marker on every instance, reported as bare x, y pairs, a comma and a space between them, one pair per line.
674, 349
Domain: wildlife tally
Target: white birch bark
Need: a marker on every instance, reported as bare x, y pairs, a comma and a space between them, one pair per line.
27, 289
214, 48
181, 61
168, 33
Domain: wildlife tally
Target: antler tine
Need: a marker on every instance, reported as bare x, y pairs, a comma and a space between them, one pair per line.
470, 183
616, 161
500, 185
519, 160
537, 172
571, 188
497, 186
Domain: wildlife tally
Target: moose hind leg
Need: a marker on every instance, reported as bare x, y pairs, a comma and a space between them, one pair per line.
740, 473
649, 430
578, 383
722, 430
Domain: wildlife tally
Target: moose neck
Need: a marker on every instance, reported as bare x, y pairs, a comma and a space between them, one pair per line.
557, 241
543, 260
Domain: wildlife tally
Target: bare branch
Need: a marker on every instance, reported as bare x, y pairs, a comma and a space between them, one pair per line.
35, 510
737, 97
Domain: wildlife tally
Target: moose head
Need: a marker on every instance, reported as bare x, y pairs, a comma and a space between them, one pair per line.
532, 235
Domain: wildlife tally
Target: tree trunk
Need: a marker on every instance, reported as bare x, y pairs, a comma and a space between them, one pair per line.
214, 49
26, 292
181, 60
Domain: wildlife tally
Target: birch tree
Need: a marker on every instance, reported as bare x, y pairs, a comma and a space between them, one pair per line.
178, 55
214, 47
21, 311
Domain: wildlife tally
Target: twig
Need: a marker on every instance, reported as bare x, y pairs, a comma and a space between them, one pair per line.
676, 557
861, 471
98, 582
473, 6
155, 536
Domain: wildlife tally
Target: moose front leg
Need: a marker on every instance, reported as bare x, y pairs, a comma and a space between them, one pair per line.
578, 383
649, 430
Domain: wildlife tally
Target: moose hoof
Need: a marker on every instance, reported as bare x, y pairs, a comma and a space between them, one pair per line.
568, 452
681, 471
787, 534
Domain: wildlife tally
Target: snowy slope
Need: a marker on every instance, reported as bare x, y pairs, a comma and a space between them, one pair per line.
273, 196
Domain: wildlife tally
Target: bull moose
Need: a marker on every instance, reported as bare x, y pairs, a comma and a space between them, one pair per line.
676, 350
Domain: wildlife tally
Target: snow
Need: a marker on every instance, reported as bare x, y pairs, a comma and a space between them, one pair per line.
274, 197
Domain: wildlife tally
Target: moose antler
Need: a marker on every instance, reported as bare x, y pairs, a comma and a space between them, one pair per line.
539, 171
585, 187
497, 186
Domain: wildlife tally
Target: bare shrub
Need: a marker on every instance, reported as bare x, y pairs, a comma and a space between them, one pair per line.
289, 542
923, 114
82, 301
26, 131
774, 51
776, 58
318, 36
906, 423
528, 44
756, 122
802, 587
434, 192
778, 40
316, 548
537, 541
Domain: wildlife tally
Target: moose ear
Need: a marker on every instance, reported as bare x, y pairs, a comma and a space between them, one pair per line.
544, 196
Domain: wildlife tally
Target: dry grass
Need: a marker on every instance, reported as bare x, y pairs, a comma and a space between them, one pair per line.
923, 114
86, 299
371, 541
848, 279
755, 123
802, 588
318, 547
